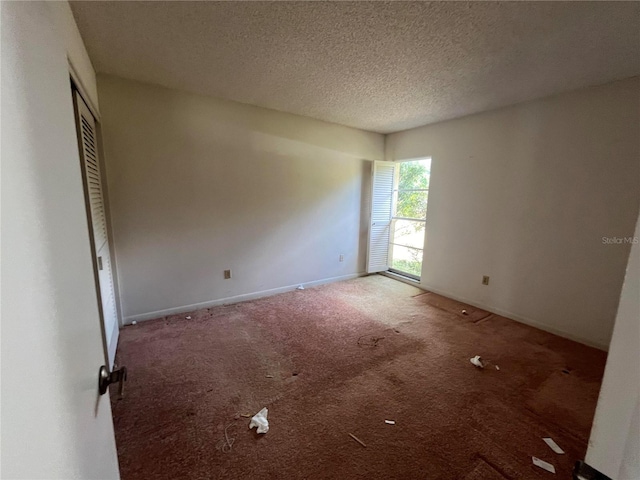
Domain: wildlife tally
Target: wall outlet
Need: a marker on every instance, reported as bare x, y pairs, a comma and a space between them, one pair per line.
342, 257
227, 274
485, 280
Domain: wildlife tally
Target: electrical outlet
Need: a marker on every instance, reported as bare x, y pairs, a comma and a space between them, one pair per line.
485, 280
342, 257
227, 274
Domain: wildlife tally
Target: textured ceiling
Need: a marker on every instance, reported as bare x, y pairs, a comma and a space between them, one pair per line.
378, 66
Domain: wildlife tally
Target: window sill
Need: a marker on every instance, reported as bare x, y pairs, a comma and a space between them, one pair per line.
402, 278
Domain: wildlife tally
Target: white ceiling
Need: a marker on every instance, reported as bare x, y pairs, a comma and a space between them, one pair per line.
378, 66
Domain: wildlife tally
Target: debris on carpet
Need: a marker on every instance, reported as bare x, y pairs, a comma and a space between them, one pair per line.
390, 422
227, 443
358, 440
477, 361
369, 341
480, 362
553, 445
372, 340
260, 421
543, 465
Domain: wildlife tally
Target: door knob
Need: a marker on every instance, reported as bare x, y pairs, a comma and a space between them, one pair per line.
106, 378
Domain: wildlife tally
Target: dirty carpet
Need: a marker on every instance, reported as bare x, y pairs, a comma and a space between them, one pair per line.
341, 359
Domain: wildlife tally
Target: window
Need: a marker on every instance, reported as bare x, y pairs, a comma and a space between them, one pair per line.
399, 196
409, 215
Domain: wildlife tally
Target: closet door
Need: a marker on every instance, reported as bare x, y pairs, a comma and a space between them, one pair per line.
87, 138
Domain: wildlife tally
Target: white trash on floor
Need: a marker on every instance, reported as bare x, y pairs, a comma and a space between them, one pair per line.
477, 361
260, 421
543, 465
553, 445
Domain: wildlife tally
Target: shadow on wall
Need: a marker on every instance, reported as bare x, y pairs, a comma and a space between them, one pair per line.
196, 190
194, 112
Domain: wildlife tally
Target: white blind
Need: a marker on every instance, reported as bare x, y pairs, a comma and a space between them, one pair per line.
381, 211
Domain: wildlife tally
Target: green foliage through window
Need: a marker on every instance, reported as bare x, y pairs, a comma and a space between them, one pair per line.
412, 267
412, 205
412, 176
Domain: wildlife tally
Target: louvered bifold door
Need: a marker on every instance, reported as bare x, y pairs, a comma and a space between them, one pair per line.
98, 220
383, 175
94, 183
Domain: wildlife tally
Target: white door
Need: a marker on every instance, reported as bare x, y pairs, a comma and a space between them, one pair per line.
95, 204
383, 177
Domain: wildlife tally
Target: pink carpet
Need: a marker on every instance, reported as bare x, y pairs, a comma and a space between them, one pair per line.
340, 359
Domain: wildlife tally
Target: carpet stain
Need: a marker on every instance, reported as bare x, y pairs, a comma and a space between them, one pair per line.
484, 471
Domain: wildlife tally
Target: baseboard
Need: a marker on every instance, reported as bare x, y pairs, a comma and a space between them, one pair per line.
519, 318
274, 291
235, 299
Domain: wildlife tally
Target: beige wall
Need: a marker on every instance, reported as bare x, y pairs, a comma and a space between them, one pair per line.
54, 425
525, 194
199, 185
614, 445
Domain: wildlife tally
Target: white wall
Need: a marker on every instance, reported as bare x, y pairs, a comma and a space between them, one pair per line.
52, 425
614, 445
198, 185
525, 194
80, 63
